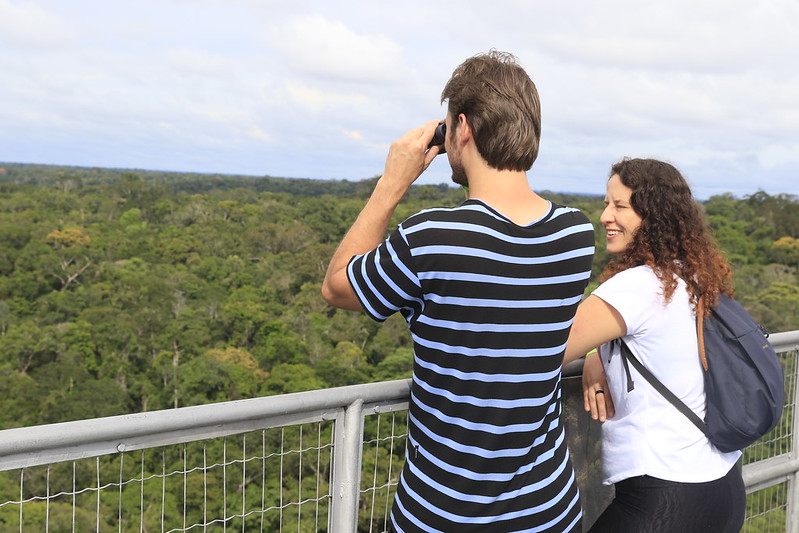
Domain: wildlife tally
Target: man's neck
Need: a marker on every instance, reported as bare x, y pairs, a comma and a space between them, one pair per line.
509, 193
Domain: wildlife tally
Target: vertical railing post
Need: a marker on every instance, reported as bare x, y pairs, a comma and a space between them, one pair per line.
792, 512
347, 469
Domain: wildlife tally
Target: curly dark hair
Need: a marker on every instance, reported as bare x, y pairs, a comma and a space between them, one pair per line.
674, 238
502, 107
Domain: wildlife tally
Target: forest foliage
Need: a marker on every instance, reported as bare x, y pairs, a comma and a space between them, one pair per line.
126, 291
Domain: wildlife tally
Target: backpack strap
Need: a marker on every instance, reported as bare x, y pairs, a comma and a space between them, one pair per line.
700, 330
627, 354
630, 382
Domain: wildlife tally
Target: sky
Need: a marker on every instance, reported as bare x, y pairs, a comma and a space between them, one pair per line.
320, 89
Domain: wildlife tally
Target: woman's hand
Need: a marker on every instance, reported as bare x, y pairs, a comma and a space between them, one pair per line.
596, 395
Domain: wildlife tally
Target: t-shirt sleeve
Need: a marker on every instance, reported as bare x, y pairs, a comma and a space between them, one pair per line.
385, 281
636, 294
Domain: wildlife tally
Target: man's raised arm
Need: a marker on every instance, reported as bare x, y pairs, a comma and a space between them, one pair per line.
407, 159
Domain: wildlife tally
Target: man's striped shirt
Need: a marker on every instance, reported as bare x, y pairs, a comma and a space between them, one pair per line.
489, 305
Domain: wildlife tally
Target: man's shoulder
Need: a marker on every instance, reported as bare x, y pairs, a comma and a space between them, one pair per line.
569, 212
564, 217
442, 214
474, 212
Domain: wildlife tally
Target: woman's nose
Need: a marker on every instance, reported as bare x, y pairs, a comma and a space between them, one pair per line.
605, 217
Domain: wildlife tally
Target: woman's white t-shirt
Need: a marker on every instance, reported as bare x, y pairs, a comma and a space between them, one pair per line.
648, 435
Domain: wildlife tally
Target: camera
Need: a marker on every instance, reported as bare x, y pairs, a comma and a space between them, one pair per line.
438, 138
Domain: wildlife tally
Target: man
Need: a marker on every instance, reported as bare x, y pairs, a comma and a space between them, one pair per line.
489, 290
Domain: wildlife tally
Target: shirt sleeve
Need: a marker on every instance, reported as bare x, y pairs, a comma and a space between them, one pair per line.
637, 295
385, 281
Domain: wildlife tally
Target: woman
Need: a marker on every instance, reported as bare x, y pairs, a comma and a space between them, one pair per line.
667, 475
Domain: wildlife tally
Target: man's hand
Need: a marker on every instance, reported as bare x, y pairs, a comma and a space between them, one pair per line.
409, 157
596, 394
406, 160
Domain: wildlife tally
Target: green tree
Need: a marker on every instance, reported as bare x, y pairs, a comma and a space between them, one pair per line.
70, 245
778, 306
292, 377
20, 399
786, 250
87, 398
346, 365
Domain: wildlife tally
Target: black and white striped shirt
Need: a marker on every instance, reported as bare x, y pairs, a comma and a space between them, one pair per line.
489, 305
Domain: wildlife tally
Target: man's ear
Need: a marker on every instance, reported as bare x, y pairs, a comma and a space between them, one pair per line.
464, 130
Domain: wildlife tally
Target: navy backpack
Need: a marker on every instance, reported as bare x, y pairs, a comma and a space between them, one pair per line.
744, 379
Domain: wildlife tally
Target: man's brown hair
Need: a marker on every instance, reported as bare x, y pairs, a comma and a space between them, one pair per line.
502, 107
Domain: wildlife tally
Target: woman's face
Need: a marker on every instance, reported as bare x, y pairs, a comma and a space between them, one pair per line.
619, 218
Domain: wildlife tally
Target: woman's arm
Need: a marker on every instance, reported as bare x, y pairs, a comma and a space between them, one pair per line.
595, 323
597, 399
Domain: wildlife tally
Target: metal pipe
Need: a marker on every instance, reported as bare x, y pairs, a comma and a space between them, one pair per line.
347, 470
784, 340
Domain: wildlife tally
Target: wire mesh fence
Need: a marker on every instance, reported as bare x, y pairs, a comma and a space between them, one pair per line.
779, 440
382, 461
270, 480
766, 510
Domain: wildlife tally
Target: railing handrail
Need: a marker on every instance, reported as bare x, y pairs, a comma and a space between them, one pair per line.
88, 438
35, 445
784, 340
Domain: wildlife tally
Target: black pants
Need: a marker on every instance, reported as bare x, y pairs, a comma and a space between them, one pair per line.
649, 505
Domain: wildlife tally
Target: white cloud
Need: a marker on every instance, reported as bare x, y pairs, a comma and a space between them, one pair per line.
781, 154
357, 135
328, 49
259, 134
188, 61
28, 25
318, 101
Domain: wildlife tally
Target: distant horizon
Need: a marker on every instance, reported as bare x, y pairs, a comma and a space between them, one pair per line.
351, 180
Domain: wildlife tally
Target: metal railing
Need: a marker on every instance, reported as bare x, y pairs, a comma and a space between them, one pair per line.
310, 461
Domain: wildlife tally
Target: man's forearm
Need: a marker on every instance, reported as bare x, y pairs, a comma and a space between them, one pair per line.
366, 233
